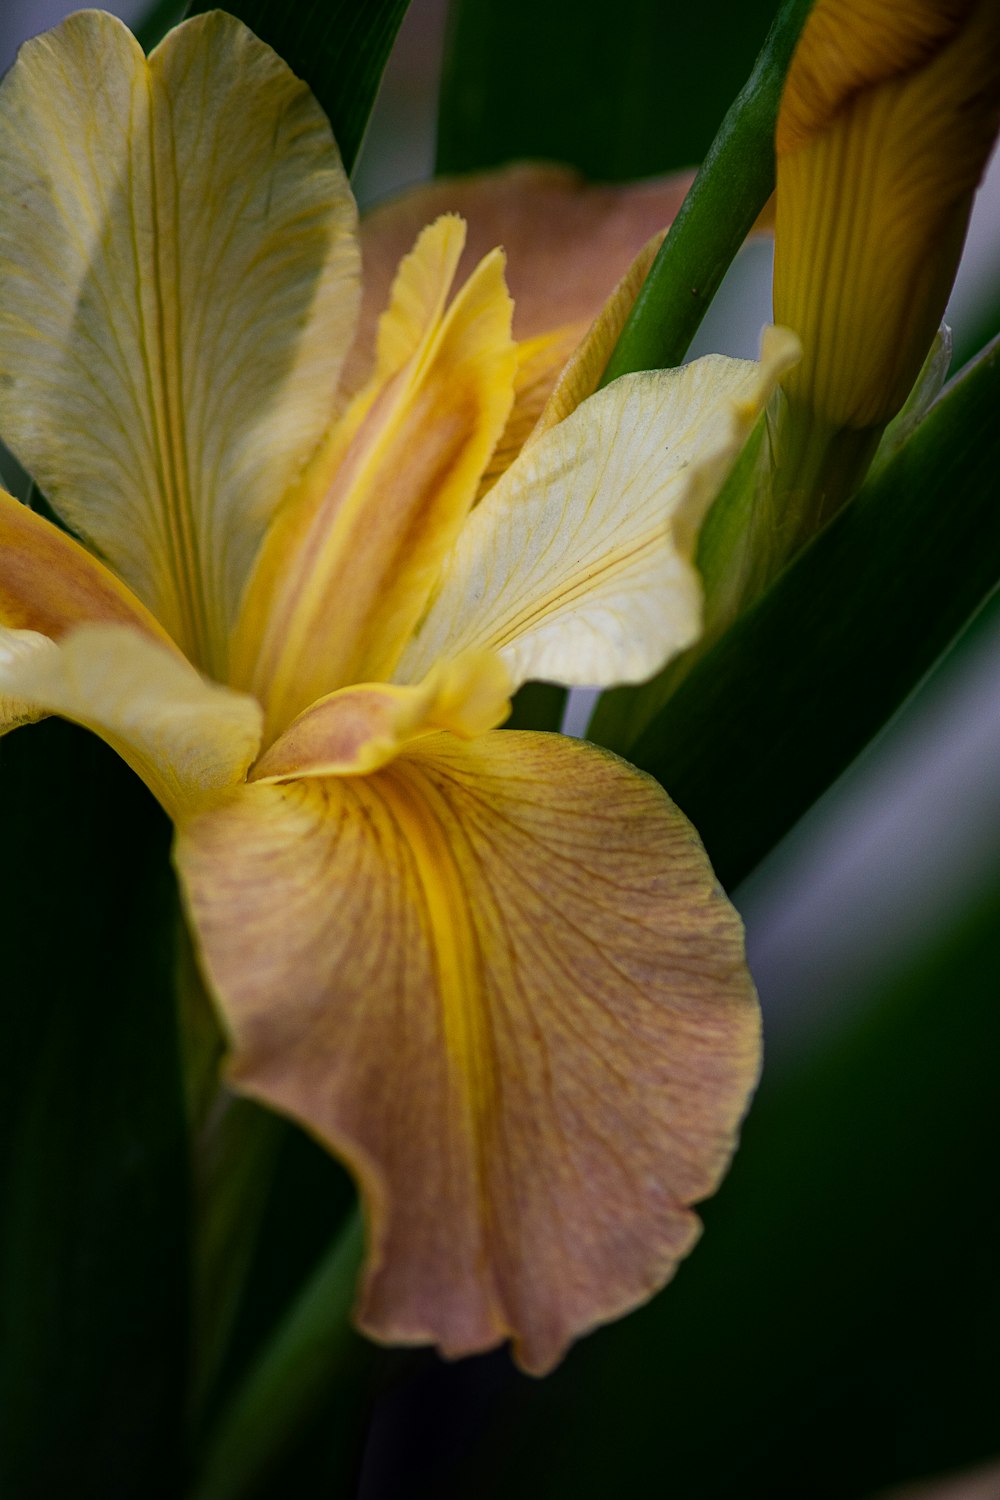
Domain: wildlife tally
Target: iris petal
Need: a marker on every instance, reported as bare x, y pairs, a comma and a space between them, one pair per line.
50, 584
577, 566
177, 294
353, 559
187, 738
567, 241
543, 1069
359, 728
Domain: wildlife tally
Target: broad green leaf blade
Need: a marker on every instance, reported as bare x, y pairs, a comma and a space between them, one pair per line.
769, 717
629, 92
734, 184
340, 48
93, 1146
835, 1332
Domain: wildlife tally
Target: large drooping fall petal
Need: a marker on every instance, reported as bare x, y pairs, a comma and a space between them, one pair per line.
186, 737
577, 567
178, 290
347, 570
540, 1073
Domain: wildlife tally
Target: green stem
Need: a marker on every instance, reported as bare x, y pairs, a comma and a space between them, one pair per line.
734, 183
314, 1360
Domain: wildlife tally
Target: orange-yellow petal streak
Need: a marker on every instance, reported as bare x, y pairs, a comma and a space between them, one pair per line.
49, 583
511, 997
341, 593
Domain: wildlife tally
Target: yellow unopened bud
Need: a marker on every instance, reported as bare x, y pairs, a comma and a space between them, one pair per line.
888, 116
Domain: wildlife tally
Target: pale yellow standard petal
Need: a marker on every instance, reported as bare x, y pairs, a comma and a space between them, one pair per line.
360, 728
577, 566
356, 553
178, 289
187, 738
499, 979
558, 370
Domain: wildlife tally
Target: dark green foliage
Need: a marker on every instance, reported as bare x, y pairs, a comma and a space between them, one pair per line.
340, 48
94, 1183
624, 94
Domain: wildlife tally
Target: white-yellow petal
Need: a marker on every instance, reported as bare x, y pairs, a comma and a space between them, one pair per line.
186, 737
178, 289
577, 566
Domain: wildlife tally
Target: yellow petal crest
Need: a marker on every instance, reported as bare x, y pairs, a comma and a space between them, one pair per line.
178, 290
187, 738
545, 1068
540, 363
577, 566
356, 555
360, 728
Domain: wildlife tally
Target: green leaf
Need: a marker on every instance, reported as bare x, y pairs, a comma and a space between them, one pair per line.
315, 1361
340, 48
94, 1185
771, 715
629, 92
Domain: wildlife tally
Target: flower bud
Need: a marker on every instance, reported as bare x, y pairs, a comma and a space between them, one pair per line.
887, 119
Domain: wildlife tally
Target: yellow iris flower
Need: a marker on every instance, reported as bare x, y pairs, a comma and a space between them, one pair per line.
492, 971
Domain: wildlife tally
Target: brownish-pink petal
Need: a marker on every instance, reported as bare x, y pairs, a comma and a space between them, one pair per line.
568, 242
499, 979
